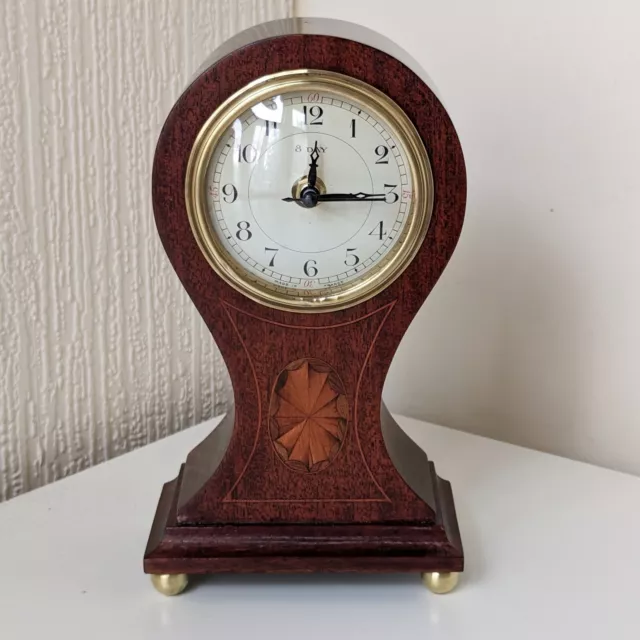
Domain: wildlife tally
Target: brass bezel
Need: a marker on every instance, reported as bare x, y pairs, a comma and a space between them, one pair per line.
379, 105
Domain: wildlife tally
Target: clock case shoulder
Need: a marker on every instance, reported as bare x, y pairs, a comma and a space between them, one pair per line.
229, 487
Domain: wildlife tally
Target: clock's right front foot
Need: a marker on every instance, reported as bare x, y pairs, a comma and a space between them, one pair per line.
440, 582
170, 584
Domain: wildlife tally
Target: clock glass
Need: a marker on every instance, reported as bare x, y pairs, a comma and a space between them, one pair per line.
309, 191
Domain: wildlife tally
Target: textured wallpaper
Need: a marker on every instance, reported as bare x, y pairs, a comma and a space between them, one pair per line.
100, 350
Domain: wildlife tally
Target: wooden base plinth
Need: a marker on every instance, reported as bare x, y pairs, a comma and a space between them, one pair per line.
266, 548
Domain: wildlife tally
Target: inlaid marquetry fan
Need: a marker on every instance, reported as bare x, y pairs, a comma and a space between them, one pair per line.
309, 414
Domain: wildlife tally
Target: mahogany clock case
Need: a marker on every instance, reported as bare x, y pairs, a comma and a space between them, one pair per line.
376, 503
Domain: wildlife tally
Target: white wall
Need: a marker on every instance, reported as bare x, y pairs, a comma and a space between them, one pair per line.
533, 333
100, 349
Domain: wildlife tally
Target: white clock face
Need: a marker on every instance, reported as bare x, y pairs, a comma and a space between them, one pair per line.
299, 235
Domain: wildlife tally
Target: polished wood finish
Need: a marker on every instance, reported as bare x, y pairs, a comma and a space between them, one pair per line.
356, 493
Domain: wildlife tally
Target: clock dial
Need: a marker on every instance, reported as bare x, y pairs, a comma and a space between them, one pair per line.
309, 195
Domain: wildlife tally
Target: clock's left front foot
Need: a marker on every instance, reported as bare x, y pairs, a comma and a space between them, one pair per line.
170, 584
440, 582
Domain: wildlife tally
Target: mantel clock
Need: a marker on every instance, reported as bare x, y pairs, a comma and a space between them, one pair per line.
309, 189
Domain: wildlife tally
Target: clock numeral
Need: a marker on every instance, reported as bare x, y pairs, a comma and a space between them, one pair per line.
314, 112
352, 259
378, 230
353, 127
382, 152
248, 153
230, 193
392, 196
270, 125
243, 234
313, 97
310, 268
273, 257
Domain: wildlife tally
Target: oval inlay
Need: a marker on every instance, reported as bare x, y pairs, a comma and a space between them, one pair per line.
308, 415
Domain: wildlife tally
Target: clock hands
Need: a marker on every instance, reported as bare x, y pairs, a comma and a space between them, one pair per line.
311, 199
310, 196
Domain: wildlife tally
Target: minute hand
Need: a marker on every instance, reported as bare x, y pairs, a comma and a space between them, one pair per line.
345, 197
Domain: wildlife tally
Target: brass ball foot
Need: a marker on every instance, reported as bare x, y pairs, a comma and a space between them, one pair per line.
170, 584
440, 582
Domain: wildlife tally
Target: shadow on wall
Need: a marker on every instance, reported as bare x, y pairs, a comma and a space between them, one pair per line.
498, 348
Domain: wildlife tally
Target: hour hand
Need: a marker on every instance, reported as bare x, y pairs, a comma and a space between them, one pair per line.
313, 166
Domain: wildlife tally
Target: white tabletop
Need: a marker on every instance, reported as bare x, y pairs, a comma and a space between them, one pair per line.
551, 547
